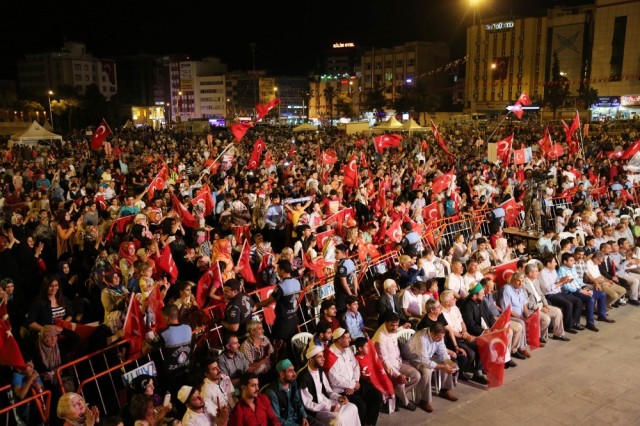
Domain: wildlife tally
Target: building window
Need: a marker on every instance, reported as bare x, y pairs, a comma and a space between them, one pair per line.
399, 63
367, 65
411, 62
617, 47
77, 67
388, 76
378, 65
77, 77
86, 67
388, 64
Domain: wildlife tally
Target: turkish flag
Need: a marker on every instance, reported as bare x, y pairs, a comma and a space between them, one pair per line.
523, 100
557, 150
316, 267
504, 148
156, 303
99, 135
503, 321
254, 161
204, 195
632, 150
82, 330
359, 143
134, 327
442, 143
168, 265
351, 173
518, 156
417, 181
442, 182
431, 212
240, 129
244, 264
322, 236
546, 142
269, 311
329, 156
512, 209
158, 182
532, 325
268, 160
493, 347
614, 155
185, 215
259, 146
504, 271
363, 160
395, 231
378, 375
211, 278
386, 141
263, 109
367, 249
119, 226
10, 353
575, 124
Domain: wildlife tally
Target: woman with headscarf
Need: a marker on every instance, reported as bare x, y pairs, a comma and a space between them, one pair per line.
143, 393
128, 258
49, 356
140, 230
67, 279
65, 230
113, 297
73, 409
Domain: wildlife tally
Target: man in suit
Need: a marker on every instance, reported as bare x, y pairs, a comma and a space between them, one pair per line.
537, 300
390, 302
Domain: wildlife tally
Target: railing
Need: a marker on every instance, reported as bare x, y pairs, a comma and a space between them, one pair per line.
42, 400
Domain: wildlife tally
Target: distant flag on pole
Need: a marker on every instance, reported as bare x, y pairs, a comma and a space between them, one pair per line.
100, 135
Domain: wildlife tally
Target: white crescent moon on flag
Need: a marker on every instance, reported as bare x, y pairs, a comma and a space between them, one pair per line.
396, 235
507, 274
496, 342
352, 165
502, 145
433, 214
100, 130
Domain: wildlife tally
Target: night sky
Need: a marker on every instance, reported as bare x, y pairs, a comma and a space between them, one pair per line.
289, 35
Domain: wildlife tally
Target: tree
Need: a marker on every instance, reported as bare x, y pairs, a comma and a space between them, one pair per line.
420, 99
329, 94
589, 95
557, 90
344, 105
374, 99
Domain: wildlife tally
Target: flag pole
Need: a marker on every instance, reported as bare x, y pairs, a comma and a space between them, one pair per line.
214, 162
498, 126
580, 133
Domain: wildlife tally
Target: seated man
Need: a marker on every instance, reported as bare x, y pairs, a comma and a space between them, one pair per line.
594, 275
216, 390
353, 319
389, 301
513, 295
576, 287
537, 300
232, 362
253, 408
429, 354
413, 302
344, 374
285, 396
403, 375
320, 401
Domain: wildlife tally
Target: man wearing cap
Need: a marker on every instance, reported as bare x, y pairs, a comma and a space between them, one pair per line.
478, 318
319, 399
344, 374
344, 281
196, 414
253, 408
285, 396
390, 302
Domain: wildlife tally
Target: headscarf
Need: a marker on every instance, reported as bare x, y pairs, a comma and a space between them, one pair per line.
124, 252
221, 250
50, 355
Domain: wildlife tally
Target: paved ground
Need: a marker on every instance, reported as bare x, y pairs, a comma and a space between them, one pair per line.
591, 380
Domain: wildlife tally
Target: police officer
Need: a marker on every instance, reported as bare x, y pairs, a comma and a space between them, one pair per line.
410, 243
239, 308
344, 282
285, 295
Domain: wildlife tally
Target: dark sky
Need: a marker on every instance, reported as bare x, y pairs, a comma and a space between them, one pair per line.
289, 35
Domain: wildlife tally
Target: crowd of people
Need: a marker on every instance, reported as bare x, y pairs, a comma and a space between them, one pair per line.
182, 231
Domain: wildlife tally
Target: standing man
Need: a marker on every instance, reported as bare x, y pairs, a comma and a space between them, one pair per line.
239, 309
344, 281
285, 396
344, 374
253, 408
176, 348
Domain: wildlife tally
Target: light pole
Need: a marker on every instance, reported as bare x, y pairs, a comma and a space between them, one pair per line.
50, 114
275, 95
180, 104
474, 4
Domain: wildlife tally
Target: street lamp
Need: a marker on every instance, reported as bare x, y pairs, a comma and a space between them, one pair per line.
180, 104
474, 4
50, 114
275, 95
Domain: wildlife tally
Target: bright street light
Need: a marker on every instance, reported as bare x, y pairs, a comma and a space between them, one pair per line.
50, 114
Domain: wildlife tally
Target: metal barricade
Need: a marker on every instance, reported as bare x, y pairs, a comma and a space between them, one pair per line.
313, 297
41, 399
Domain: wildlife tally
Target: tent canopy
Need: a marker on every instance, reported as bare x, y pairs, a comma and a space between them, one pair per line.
390, 124
412, 126
33, 134
305, 127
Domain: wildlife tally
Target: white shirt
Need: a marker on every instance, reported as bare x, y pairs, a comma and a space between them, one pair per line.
345, 372
191, 418
456, 283
217, 393
412, 302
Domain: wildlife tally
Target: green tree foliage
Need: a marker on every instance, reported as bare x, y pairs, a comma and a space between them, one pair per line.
557, 91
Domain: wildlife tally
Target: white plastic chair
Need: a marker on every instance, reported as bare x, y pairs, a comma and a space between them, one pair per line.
404, 335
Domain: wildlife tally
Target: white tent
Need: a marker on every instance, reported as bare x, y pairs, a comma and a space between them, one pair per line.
412, 126
32, 135
390, 124
305, 127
